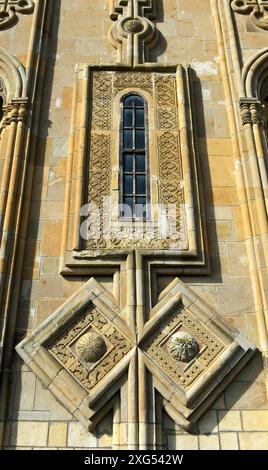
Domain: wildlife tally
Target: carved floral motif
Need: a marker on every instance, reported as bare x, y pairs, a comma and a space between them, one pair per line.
157, 348
90, 347
90, 324
183, 346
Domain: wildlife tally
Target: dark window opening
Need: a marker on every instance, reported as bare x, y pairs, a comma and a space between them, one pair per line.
1, 107
134, 157
265, 103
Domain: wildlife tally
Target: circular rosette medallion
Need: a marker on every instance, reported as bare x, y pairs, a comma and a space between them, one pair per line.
90, 347
183, 346
133, 26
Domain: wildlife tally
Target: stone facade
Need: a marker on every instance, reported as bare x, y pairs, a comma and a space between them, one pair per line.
134, 344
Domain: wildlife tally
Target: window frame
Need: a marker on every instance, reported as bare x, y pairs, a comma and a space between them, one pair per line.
122, 151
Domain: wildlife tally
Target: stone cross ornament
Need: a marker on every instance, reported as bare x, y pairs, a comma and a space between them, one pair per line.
133, 34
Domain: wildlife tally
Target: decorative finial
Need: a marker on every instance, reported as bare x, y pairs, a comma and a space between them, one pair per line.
133, 33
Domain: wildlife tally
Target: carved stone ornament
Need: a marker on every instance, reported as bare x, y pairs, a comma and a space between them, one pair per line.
10, 8
183, 346
256, 9
162, 88
91, 327
91, 347
133, 33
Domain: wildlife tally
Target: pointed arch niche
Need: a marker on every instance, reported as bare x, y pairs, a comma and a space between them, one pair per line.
254, 113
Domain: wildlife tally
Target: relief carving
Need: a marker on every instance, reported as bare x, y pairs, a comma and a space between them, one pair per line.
173, 361
90, 325
10, 8
162, 88
256, 9
133, 34
90, 347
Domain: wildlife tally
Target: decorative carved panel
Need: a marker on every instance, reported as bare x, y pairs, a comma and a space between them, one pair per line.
94, 169
88, 346
162, 89
9, 10
256, 9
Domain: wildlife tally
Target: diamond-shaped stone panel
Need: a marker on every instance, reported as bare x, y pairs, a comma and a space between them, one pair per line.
89, 374
183, 374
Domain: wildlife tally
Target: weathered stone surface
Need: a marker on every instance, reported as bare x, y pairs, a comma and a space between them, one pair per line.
230, 274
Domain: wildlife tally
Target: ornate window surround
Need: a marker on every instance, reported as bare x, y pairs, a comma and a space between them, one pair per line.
74, 258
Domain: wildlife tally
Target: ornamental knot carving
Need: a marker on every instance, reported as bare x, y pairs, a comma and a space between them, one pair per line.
183, 346
10, 8
91, 347
256, 9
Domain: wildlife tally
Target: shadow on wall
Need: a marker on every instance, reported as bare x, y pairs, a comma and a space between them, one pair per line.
161, 46
25, 308
246, 392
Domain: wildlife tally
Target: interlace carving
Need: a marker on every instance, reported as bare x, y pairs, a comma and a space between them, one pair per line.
257, 9
10, 8
162, 88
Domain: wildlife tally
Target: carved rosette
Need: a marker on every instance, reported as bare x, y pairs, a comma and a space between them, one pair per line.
10, 8
167, 348
90, 326
90, 347
256, 9
183, 346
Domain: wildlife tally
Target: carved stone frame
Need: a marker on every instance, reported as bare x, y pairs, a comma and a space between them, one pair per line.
75, 260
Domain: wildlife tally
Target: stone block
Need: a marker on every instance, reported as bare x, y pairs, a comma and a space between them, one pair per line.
253, 440
255, 420
57, 435
229, 441
208, 423
229, 420
78, 436
51, 239
182, 442
246, 395
209, 442
29, 434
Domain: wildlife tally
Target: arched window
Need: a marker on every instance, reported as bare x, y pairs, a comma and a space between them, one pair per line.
134, 157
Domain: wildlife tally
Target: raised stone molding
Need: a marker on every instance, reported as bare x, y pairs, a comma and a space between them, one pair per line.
173, 180
9, 10
117, 348
133, 33
256, 9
